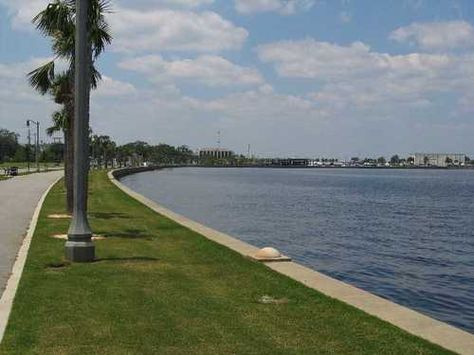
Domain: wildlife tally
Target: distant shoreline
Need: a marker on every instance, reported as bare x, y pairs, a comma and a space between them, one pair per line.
331, 167
121, 172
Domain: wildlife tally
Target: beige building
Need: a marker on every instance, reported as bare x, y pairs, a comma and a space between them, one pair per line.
438, 159
216, 153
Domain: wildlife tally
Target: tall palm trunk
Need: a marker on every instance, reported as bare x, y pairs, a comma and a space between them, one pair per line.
69, 161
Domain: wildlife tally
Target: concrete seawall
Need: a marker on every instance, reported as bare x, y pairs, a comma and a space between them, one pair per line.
120, 173
435, 331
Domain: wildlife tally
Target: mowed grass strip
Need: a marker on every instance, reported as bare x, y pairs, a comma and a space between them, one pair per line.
23, 165
158, 288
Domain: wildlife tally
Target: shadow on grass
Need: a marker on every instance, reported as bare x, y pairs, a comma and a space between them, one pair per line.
57, 265
136, 259
108, 215
129, 234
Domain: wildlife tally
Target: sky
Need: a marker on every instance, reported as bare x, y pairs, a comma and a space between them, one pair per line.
299, 78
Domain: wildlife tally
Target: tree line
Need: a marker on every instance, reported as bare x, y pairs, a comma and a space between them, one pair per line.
103, 152
11, 151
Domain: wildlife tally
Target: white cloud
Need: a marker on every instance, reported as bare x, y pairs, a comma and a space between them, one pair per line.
311, 59
285, 7
354, 77
13, 77
22, 12
345, 17
19, 101
259, 116
436, 35
207, 69
162, 30
260, 104
413, 4
109, 87
168, 3
327, 62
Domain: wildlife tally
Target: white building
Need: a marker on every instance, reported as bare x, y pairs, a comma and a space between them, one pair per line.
438, 159
216, 153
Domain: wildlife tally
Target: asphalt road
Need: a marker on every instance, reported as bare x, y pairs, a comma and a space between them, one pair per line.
18, 199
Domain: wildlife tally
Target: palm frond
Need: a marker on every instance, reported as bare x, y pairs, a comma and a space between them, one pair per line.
59, 122
62, 88
55, 18
64, 42
42, 78
95, 77
100, 37
57, 21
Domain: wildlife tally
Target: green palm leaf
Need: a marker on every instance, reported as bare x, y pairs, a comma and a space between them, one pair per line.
42, 78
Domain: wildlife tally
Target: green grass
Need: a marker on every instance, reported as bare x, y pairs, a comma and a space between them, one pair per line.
4, 177
18, 164
159, 288
24, 165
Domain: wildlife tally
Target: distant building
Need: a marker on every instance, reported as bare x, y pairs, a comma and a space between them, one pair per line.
215, 153
438, 159
292, 162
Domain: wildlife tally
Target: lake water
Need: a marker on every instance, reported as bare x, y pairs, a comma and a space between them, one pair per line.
406, 235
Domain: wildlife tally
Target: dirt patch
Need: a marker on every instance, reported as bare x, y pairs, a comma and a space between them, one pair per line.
266, 299
64, 237
59, 216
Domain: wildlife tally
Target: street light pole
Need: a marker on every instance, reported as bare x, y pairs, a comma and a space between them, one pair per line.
79, 246
29, 144
37, 146
36, 143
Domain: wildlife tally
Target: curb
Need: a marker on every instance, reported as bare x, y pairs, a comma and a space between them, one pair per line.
8, 296
413, 322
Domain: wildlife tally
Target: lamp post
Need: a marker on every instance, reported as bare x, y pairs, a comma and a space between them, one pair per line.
29, 145
79, 246
37, 124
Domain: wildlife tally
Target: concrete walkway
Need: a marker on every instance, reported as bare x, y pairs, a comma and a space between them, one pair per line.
18, 199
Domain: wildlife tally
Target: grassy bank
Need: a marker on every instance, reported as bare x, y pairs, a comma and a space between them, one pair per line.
17, 164
24, 165
160, 288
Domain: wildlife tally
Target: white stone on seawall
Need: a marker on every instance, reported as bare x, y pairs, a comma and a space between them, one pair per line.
268, 253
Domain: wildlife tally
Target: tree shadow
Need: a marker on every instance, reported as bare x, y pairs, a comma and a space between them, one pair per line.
136, 259
108, 215
57, 265
129, 234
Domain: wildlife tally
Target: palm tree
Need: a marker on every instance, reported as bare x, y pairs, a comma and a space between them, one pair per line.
103, 150
57, 22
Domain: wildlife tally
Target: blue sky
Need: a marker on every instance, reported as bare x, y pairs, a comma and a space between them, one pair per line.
288, 77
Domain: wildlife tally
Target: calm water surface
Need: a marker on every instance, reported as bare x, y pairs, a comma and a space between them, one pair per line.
406, 235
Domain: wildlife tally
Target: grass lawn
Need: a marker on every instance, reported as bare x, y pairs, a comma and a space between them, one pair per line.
160, 288
24, 165
20, 165
4, 177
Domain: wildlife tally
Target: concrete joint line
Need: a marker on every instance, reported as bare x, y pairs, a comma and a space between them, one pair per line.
8, 296
415, 323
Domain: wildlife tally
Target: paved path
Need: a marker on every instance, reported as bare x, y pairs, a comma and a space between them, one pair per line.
18, 199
